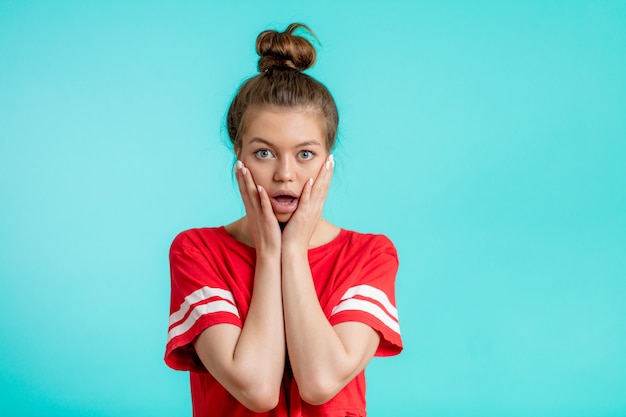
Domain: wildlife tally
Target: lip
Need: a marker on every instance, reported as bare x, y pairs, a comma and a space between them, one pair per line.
284, 192
280, 207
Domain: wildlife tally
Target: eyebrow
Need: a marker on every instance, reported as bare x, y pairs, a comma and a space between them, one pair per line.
300, 145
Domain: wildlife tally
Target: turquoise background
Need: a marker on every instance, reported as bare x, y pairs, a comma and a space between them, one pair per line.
486, 138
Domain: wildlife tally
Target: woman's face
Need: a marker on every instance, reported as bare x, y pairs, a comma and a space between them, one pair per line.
283, 149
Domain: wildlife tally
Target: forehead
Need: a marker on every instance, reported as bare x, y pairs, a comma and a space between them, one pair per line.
284, 127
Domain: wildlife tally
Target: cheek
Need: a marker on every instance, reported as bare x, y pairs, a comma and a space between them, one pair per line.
315, 169
259, 170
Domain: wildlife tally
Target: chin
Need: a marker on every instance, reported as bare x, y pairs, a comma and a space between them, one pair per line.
283, 217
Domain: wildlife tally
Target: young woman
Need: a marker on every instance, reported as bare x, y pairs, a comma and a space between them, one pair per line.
278, 313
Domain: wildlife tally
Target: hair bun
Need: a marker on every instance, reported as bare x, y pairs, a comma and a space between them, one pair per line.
284, 50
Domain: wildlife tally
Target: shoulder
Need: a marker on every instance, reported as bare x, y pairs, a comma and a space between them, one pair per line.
376, 243
360, 249
198, 239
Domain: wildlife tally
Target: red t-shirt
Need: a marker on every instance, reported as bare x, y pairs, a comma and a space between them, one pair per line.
212, 275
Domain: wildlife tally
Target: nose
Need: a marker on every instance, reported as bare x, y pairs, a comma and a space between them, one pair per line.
283, 170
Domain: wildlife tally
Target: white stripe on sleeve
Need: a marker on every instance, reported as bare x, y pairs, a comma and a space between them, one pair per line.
201, 294
367, 291
198, 311
371, 308
388, 315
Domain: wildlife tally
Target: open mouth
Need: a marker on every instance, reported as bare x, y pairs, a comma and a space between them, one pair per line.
284, 202
284, 199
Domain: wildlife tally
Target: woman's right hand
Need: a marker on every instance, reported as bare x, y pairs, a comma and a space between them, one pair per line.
249, 361
262, 223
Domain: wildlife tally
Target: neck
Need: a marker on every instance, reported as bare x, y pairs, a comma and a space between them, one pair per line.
324, 232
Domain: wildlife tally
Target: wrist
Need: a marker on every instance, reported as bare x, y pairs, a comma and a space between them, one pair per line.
268, 255
293, 250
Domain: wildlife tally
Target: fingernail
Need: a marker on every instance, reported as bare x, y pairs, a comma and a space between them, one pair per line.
310, 182
259, 188
239, 165
330, 162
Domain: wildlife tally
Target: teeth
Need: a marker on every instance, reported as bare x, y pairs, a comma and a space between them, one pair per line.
284, 199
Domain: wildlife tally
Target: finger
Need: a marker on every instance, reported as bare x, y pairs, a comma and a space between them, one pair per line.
266, 205
247, 187
326, 170
314, 192
305, 197
330, 162
240, 182
251, 188
322, 182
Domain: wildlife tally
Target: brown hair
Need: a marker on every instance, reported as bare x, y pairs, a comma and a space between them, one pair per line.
282, 84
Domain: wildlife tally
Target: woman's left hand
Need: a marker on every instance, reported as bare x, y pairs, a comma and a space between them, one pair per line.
301, 226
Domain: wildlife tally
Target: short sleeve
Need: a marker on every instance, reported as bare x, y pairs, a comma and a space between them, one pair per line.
370, 299
199, 299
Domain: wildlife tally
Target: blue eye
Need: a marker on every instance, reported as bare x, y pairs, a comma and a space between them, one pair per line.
263, 154
306, 155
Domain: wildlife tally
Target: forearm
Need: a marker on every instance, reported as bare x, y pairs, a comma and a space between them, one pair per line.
321, 363
249, 362
260, 350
